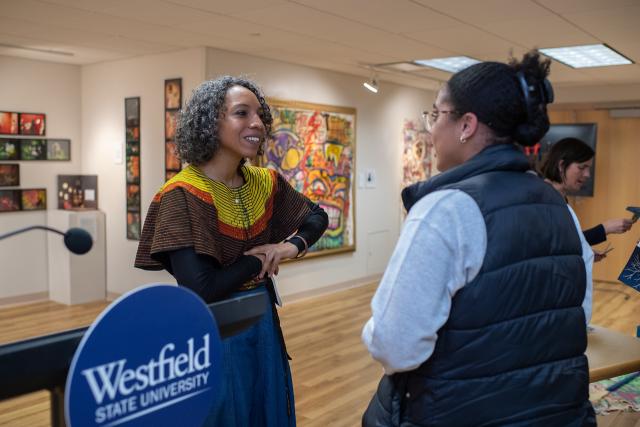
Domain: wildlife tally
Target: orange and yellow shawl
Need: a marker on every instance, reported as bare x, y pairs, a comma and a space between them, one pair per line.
191, 210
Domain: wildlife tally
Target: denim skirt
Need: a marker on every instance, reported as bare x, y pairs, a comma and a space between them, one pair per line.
256, 389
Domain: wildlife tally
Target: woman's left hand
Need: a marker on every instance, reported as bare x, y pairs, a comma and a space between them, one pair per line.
273, 253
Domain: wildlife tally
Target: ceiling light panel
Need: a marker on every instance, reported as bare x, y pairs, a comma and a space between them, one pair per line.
586, 56
452, 64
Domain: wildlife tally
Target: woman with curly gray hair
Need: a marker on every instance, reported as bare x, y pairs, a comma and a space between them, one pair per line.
219, 227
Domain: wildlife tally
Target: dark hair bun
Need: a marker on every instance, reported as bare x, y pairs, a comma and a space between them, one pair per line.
511, 99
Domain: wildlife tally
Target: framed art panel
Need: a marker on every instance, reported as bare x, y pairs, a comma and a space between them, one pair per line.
172, 104
9, 175
313, 147
58, 149
33, 149
170, 124
33, 199
133, 133
132, 171
172, 159
133, 148
133, 198
32, 124
132, 111
9, 200
9, 149
8, 123
77, 192
133, 226
172, 94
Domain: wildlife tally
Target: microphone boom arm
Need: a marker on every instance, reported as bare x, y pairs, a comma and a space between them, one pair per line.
32, 227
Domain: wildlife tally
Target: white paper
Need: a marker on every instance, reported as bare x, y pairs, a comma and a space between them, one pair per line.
275, 289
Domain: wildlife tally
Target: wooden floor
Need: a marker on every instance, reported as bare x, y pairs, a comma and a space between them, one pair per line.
333, 374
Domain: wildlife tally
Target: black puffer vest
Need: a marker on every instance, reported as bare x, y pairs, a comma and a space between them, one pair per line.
512, 350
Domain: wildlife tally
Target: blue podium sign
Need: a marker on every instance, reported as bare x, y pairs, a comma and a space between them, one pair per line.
152, 358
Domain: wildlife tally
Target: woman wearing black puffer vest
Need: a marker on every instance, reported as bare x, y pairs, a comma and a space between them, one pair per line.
478, 320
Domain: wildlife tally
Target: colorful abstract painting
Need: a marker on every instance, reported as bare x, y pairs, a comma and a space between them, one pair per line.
417, 153
313, 147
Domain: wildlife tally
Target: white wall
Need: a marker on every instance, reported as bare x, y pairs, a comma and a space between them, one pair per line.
379, 146
379, 139
53, 89
104, 88
88, 102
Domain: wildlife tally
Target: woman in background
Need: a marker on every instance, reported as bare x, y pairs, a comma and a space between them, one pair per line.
567, 169
219, 227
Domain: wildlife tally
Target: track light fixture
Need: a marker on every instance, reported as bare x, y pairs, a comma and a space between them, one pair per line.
371, 84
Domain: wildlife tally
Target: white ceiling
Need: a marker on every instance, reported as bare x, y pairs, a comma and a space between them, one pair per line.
341, 35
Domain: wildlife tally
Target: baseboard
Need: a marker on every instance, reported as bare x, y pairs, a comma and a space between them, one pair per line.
24, 299
324, 290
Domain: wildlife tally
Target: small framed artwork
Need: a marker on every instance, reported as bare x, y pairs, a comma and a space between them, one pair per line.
77, 192
33, 149
133, 198
58, 149
34, 199
172, 159
132, 112
133, 148
172, 94
170, 124
32, 124
133, 133
8, 123
133, 226
133, 170
9, 200
9, 149
9, 175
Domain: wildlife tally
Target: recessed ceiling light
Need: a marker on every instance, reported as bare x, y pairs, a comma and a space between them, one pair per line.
452, 64
401, 66
593, 55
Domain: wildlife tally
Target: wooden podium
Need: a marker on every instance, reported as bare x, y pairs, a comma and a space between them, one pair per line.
42, 363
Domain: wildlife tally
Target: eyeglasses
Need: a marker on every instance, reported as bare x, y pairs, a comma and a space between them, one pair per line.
429, 117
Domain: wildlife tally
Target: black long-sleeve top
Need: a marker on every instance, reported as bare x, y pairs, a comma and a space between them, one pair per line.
208, 278
595, 235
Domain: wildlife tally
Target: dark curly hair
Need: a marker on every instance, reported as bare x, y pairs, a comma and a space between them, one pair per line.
566, 151
197, 131
493, 92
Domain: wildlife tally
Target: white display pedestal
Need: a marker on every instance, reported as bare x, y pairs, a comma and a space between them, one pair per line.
76, 279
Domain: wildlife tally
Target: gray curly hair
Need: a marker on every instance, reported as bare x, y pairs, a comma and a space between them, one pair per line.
197, 131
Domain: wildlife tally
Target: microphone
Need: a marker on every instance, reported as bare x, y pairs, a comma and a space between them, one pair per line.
77, 240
